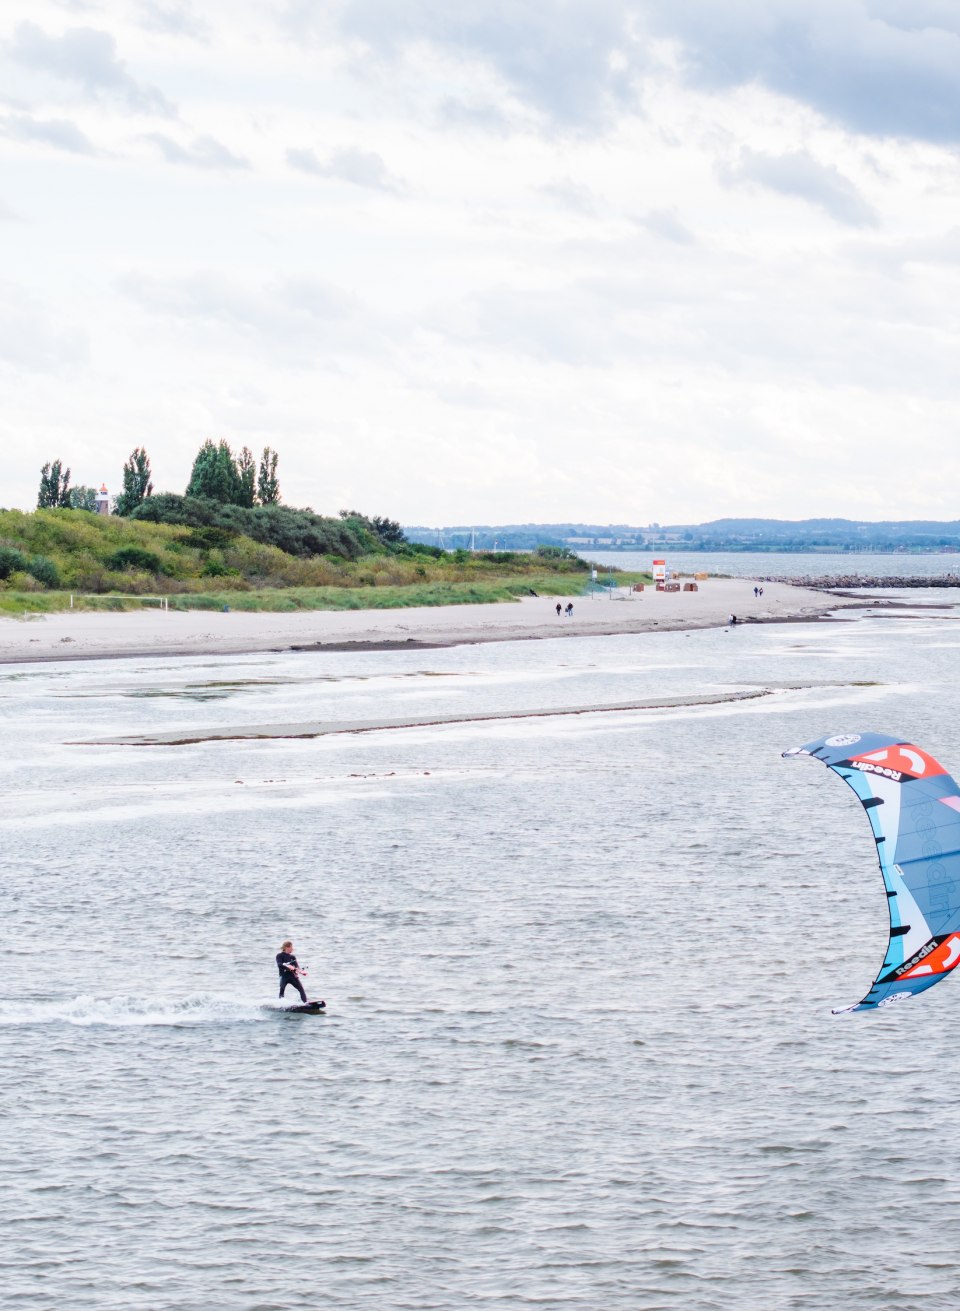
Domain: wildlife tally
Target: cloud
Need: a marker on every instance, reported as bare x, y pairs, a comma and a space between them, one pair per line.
480, 116
665, 223
576, 324
364, 168
292, 317
30, 340
571, 195
172, 20
881, 67
572, 63
799, 174
204, 152
88, 58
57, 132
8, 215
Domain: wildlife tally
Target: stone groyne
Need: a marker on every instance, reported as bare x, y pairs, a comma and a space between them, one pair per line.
844, 582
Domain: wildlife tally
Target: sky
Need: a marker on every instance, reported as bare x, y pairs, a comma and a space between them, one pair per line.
489, 261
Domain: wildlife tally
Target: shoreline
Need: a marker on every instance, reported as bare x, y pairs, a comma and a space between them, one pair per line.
89, 635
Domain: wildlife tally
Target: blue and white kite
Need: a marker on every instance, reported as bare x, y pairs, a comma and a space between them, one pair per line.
914, 809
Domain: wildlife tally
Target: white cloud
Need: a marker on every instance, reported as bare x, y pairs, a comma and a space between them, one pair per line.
171, 19
364, 168
86, 57
572, 63
571, 195
666, 223
884, 67
291, 319
798, 174
202, 152
30, 340
659, 259
57, 132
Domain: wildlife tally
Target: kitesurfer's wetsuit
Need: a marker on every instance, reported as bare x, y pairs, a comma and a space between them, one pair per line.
287, 965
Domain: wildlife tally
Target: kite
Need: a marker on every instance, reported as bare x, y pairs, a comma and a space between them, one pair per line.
914, 810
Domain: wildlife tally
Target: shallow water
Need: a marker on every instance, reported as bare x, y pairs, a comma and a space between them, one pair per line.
579, 1050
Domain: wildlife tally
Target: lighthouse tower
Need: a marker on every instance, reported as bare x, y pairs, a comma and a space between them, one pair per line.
103, 500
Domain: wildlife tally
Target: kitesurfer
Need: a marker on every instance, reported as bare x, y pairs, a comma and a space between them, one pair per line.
290, 970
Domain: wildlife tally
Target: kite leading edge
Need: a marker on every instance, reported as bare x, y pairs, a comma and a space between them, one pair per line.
913, 806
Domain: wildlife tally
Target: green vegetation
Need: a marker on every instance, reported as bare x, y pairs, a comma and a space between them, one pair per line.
229, 542
203, 560
54, 486
137, 484
83, 498
219, 475
268, 488
299, 533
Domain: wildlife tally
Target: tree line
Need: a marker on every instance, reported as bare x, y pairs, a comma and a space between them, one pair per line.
228, 495
217, 475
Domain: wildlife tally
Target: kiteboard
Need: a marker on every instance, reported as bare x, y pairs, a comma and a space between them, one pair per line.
307, 1008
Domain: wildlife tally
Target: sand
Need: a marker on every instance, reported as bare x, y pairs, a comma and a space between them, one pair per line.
149, 632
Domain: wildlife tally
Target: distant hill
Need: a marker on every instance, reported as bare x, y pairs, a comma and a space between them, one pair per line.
716, 535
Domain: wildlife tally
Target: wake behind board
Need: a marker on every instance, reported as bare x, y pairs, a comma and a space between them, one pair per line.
307, 1008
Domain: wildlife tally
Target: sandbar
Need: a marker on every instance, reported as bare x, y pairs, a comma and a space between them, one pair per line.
90, 635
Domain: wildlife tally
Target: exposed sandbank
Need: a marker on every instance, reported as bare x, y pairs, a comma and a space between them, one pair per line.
322, 728
79, 635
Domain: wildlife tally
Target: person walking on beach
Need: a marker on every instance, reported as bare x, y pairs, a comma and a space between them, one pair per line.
756, 592
559, 609
569, 609
289, 970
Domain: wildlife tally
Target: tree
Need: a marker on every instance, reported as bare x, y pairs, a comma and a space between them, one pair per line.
215, 475
137, 484
247, 473
388, 530
83, 498
268, 486
54, 486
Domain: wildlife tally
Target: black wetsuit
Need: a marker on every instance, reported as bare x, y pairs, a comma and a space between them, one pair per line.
287, 965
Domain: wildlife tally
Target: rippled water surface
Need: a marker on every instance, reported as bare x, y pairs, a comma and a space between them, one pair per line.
579, 1051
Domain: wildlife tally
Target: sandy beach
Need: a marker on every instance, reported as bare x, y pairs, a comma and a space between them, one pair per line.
81, 635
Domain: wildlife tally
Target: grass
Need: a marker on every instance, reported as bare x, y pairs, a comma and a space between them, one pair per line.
289, 599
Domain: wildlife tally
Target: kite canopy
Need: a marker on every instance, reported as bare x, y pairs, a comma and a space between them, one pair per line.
914, 810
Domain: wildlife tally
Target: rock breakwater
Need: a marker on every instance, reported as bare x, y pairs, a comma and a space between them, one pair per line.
844, 582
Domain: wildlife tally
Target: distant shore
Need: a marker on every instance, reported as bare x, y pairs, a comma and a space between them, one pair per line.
85, 635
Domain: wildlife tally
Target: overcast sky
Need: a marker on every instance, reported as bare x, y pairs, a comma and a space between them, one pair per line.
489, 260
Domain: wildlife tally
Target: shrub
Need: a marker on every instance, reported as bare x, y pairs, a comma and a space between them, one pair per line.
93, 579
215, 566
298, 532
12, 561
209, 538
44, 571
20, 581
134, 557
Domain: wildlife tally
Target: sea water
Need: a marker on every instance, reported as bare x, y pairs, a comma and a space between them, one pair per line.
789, 564
579, 1051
